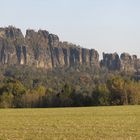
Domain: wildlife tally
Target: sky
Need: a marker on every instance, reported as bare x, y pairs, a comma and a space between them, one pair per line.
105, 25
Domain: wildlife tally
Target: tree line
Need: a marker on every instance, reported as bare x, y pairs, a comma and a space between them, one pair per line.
115, 91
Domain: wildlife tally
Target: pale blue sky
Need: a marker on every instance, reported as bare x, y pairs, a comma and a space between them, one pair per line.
106, 25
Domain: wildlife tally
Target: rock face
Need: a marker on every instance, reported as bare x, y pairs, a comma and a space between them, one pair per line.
42, 50
125, 62
12, 49
130, 63
111, 61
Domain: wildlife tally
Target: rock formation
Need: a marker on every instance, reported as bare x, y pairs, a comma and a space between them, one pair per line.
42, 50
111, 61
125, 62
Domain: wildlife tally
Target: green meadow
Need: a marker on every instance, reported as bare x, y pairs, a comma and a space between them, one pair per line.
87, 123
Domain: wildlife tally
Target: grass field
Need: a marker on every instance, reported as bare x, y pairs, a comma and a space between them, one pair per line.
91, 123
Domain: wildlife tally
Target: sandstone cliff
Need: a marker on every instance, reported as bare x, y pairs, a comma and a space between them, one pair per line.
125, 62
42, 50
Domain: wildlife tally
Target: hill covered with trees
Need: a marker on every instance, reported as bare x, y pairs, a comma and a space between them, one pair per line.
38, 70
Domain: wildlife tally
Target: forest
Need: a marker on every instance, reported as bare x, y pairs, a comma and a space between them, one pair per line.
35, 88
